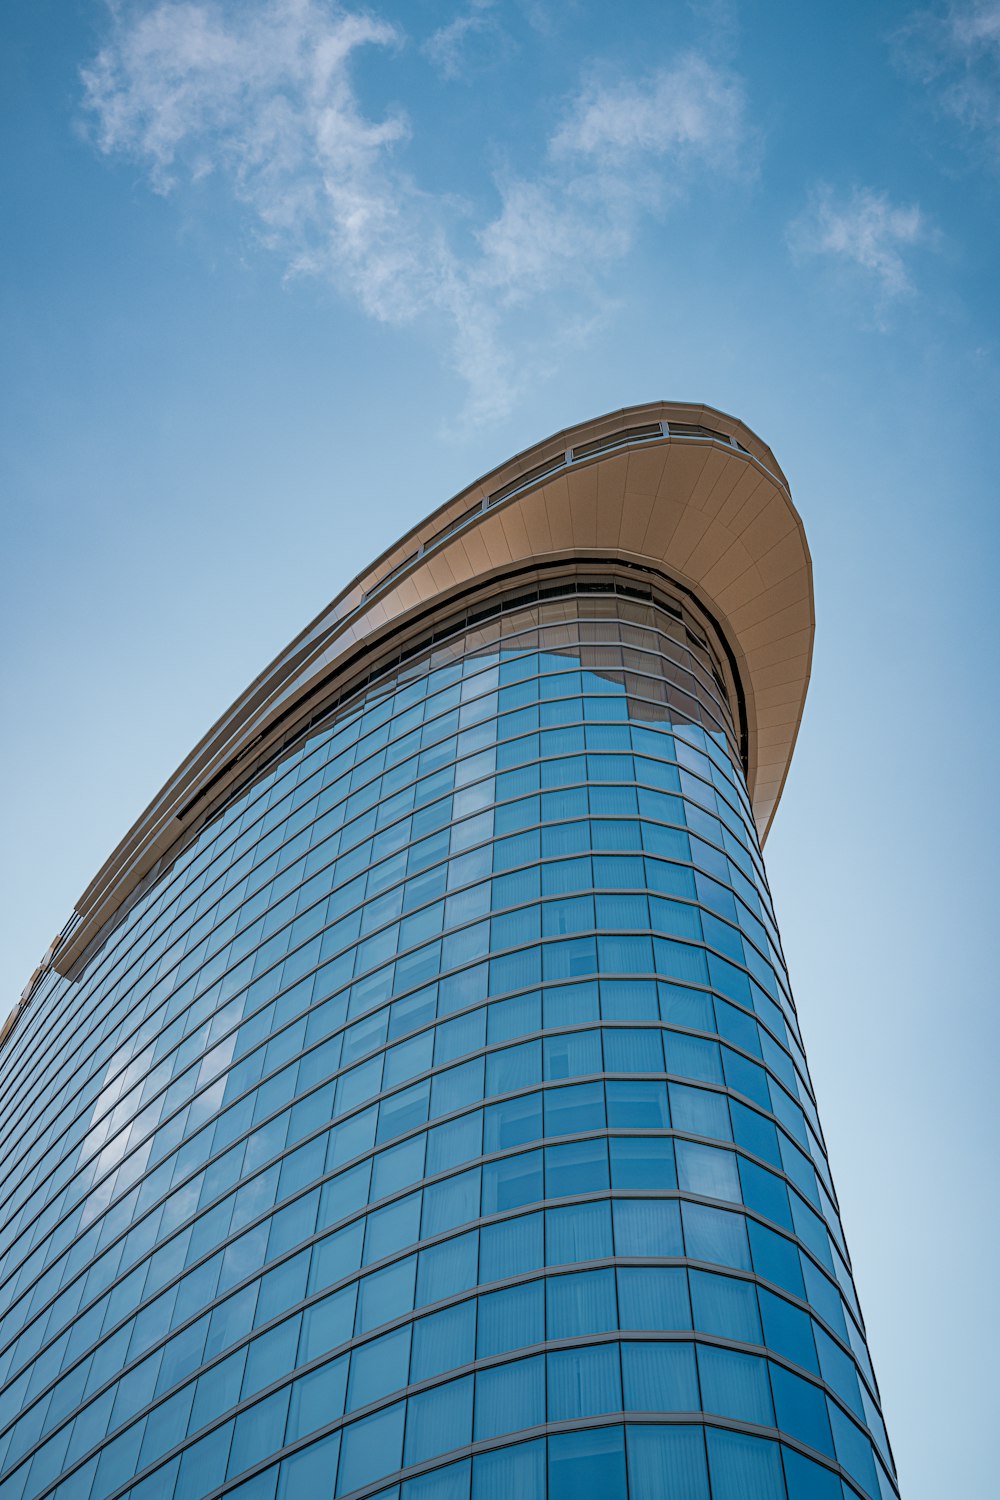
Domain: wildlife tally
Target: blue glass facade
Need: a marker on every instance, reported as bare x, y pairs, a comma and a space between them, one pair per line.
437, 1126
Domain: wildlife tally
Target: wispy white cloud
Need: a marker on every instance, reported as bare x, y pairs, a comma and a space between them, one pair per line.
692, 109
259, 96
450, 47
865, 233
954, 53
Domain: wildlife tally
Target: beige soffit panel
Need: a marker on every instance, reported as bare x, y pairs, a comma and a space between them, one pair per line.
708, 508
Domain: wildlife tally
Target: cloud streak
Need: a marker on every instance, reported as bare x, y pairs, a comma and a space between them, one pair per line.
260, 99
954, 53
451, 46
693, 110
866, 233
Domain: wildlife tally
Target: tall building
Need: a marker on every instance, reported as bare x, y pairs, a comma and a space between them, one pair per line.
415, 1104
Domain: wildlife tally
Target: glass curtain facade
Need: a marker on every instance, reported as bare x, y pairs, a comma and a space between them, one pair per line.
437, 1127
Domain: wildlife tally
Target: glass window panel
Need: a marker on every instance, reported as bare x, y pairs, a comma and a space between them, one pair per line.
404, 1111
158, 1484
681, 1006
518, 1016
570, 915
438, 1420
510, 1397
371, 1448
447, 1268
809, 1481
587, 1465
580, 1231
465, 1034
316, 1399
788, 1330
443, 1341
735, 1025
282, 1288
311, 1471
660, 1377
258, 1432
328, 1323
574, 1108
454, 1142
518, 1470
700, 1112
364, 1036
166, 1425
512, 1122
116, 1464
580, 1304
261, 1487
203, 1465
415, 1010
449, 1483
647, 1227
386, 1294
747, 1077
825, 1297
642, 1162
450, 1203
392, 1228
584, 1382
625, 955
515, 971
801, 1409
457, 1087
754, 1133
664, 1462
576, 1167
775, 1258
637, 1104
514, 1068
632, 1051
693, 1057
765, 1193
271, 1351
623, 911
676, 961
514, 1181
359, 1085
707, 1171
379, 1368
511, 1319
572, 1004
351, 1138
629, 1000
735, 1385
572, 1055
711, 1234
512, 1247
398, 1167
408, 1059
570, 958
742, 1467
653, 1297
854, 1450
724, 1306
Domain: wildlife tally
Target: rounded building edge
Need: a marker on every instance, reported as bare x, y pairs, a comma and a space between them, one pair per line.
684, 489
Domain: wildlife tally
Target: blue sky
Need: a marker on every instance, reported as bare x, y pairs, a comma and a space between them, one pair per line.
280, 279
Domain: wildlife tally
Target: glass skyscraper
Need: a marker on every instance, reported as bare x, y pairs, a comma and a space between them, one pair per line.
415, 1105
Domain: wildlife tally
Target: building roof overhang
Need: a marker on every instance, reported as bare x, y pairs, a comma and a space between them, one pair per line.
683, 490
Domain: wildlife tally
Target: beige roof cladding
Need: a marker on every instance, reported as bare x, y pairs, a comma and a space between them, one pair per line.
682, 490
